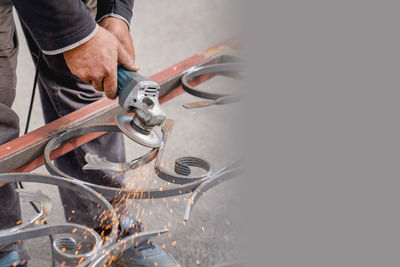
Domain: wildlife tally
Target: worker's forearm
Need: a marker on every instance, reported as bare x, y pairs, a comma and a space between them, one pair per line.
56, 26
115, 8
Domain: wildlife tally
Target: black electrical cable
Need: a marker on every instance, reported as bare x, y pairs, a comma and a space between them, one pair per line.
28, 120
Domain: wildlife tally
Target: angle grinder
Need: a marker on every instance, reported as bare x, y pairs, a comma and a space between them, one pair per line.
138, 94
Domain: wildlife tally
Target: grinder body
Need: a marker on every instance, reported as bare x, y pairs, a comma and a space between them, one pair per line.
139, 94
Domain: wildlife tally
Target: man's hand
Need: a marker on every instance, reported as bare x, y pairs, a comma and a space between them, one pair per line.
120, 30
95, 61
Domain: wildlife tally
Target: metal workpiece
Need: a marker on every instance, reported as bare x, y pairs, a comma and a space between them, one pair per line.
96, 163
73, 230
182, 165
111, 192
23, 154
72, 244
216, 99
20, 153
78, 247
45, 206
181, 181
93, 161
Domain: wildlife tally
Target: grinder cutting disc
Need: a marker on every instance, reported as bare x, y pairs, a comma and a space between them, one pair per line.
127, 126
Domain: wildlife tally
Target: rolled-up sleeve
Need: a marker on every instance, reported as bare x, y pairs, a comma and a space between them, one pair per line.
57, 26
115, 8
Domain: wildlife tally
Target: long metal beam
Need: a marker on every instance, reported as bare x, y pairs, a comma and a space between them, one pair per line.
25, 153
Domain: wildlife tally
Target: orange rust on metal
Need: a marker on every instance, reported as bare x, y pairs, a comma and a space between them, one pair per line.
19, 145
47, 130
68, 147
177, 91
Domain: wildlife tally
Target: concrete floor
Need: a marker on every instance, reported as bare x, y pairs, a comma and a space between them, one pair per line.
166, 32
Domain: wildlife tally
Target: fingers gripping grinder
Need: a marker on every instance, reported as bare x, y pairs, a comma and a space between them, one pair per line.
139, 94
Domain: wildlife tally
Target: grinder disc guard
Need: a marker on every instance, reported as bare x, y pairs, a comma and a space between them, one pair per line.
124, 123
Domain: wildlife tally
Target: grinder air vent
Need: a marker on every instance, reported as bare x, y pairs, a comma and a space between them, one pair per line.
150, 91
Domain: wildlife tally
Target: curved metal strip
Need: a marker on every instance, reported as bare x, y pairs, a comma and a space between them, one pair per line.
45, 208
66, 233
164, 192
214, 68
68, 183
96, 163
183, 164
66, 228
178, 178
110, 192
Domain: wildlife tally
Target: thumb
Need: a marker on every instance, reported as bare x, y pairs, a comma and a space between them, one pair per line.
125, 59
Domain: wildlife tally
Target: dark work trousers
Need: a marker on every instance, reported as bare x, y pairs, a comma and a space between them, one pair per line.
61, 93
10, 212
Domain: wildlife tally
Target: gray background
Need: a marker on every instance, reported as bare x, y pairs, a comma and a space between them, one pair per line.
325, 156
166, 32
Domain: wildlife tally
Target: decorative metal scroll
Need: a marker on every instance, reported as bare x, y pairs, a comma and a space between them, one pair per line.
181, 183
78, 245
86, 247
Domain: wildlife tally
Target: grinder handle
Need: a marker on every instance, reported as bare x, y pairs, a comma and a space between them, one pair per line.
125, 78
